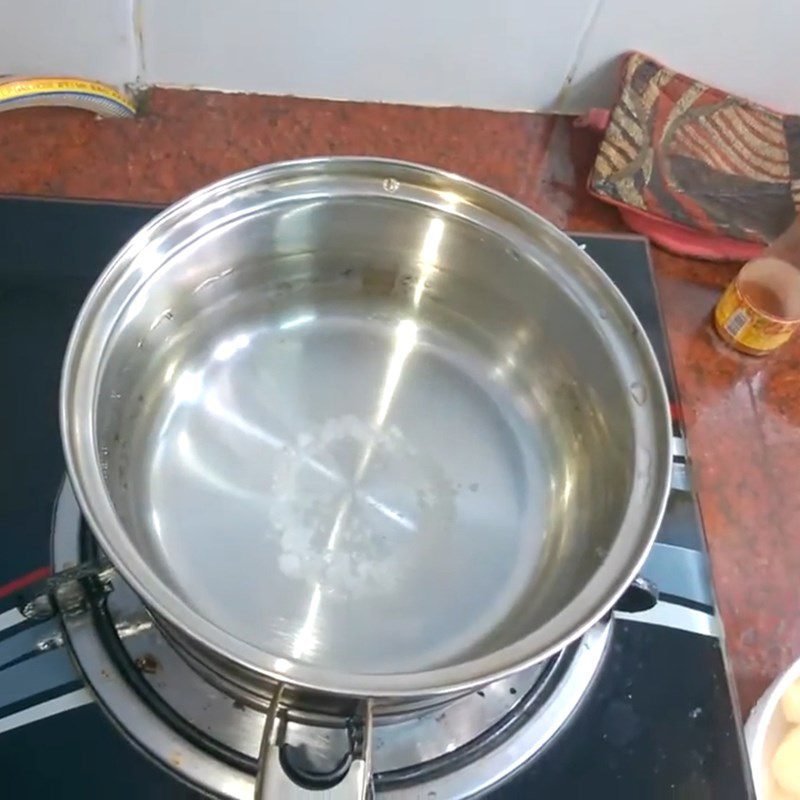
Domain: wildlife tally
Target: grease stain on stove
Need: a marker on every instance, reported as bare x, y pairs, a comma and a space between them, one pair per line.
147, 663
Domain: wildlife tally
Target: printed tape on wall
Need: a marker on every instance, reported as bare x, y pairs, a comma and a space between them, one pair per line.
72, 92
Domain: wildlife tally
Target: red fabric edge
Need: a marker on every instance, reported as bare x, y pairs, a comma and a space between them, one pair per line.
689, 242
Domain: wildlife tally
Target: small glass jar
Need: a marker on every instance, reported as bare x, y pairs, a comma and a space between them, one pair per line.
760, 309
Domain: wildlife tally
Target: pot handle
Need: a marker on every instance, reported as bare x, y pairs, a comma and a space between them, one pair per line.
275, 781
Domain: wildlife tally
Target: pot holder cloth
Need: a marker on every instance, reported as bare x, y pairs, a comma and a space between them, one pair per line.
698, 171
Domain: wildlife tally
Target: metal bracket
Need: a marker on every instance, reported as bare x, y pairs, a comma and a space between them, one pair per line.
69, 591
681, 480
351, 780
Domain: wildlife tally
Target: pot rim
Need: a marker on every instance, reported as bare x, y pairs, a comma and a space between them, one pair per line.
391, 179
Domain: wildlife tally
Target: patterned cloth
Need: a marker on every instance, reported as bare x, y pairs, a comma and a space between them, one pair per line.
677, 150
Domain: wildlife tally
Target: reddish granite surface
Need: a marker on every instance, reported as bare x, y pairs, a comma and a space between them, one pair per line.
743, 415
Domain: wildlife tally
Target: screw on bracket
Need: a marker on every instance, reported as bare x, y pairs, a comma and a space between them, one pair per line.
68, 592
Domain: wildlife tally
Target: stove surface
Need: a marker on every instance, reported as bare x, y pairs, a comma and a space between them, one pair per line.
659, 720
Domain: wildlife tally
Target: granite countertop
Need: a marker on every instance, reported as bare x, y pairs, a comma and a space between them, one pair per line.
742, 414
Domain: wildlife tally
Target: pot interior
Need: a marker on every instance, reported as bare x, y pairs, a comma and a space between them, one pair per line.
373, 435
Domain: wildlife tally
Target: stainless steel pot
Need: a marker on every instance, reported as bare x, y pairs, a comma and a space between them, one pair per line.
358, 429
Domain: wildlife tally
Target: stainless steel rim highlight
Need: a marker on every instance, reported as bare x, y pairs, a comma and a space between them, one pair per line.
317, 180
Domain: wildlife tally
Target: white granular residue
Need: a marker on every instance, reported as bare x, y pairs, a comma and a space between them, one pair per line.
325, 502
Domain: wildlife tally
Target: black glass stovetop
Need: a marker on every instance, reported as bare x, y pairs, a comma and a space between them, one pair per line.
659, 722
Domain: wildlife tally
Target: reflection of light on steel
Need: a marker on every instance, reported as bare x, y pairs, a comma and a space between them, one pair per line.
341, 513
189, 386
451, 200
506, 367
296, 322
433, 238
169, 372
220, 411
567, 484
428, 256
155, 523
185, 446
393, 515
405, 337
193, 462
306, 637
228, 348
136, 305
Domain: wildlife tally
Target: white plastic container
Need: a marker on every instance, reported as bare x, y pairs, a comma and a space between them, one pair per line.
765, 728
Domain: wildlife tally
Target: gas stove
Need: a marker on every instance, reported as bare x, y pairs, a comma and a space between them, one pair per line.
641, 707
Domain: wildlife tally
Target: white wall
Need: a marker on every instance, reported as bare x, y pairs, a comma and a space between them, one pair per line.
508, 54
92, 38
495, 53
744, 46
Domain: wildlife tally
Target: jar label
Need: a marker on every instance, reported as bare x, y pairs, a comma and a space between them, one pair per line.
740, 323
